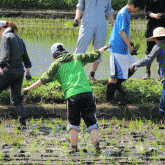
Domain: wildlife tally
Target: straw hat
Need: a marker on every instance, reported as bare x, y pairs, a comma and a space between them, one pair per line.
158, 32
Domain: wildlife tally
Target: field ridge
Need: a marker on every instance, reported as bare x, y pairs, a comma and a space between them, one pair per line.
52, 14
131, 111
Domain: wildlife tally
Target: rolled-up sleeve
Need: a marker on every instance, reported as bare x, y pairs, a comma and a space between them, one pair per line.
81, 4
109, 9
5, 51
88, 57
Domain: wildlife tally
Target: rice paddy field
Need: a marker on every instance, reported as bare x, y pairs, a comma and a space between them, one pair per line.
46, 140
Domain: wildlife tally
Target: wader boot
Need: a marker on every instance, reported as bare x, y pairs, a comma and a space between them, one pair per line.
120, 81
22, 119
92, 77
119, 88
111, 88
148, 72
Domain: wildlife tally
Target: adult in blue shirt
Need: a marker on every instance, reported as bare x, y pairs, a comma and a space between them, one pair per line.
120, 42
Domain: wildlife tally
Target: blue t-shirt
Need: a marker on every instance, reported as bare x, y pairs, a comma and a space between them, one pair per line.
122, 23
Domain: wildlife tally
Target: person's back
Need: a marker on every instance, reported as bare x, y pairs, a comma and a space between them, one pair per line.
13, 50
16, 45
68, 71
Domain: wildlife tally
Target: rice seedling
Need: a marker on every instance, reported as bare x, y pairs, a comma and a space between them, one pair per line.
110, 128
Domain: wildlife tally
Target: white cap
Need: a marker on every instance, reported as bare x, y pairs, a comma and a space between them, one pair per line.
2, 23
55, 47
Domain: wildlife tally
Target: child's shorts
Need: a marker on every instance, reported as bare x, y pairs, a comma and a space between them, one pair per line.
81, 104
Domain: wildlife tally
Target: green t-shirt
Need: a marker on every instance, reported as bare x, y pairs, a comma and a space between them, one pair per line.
69, 72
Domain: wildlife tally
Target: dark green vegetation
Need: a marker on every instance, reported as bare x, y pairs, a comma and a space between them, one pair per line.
50, 4
139, 91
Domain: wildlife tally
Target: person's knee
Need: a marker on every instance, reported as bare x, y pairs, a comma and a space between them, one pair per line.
112, 80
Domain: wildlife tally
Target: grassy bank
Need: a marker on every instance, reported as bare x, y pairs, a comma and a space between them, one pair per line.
139, 92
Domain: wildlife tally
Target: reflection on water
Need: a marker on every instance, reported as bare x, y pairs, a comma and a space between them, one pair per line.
45, 130
40, 55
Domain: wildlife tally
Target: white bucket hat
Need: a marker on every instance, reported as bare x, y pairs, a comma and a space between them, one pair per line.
2, 23
55, 47
158, 32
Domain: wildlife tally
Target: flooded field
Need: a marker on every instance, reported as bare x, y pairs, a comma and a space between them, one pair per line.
40, 34
47, 142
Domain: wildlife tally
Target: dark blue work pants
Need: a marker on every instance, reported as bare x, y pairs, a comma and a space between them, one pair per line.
13, 77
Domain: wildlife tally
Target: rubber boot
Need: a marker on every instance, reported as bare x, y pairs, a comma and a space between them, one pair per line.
111, 88
120, 81
20, 110
148, 72
119, 87
130, 73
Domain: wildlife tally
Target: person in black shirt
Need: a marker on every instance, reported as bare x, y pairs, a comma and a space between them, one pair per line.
155, 11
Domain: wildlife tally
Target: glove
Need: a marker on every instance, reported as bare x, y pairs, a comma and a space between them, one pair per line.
25, 93
75, 23
132, 44
160, 15
134, 51
28, 77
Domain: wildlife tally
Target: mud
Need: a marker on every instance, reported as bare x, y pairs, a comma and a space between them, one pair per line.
46, 141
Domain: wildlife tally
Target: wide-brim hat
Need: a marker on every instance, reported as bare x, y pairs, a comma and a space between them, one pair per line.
158, 32
2, 23
56, 47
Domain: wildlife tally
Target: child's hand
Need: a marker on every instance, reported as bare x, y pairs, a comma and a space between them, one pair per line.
26, 90
75, 23
104, 48
1, 71
133, 67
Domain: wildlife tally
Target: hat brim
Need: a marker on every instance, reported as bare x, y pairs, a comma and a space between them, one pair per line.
150, 39
153, 38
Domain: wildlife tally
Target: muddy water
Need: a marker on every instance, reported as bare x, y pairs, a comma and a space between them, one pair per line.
40, 55
121, 142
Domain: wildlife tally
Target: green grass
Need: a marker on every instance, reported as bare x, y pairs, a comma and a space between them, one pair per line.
139, 92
